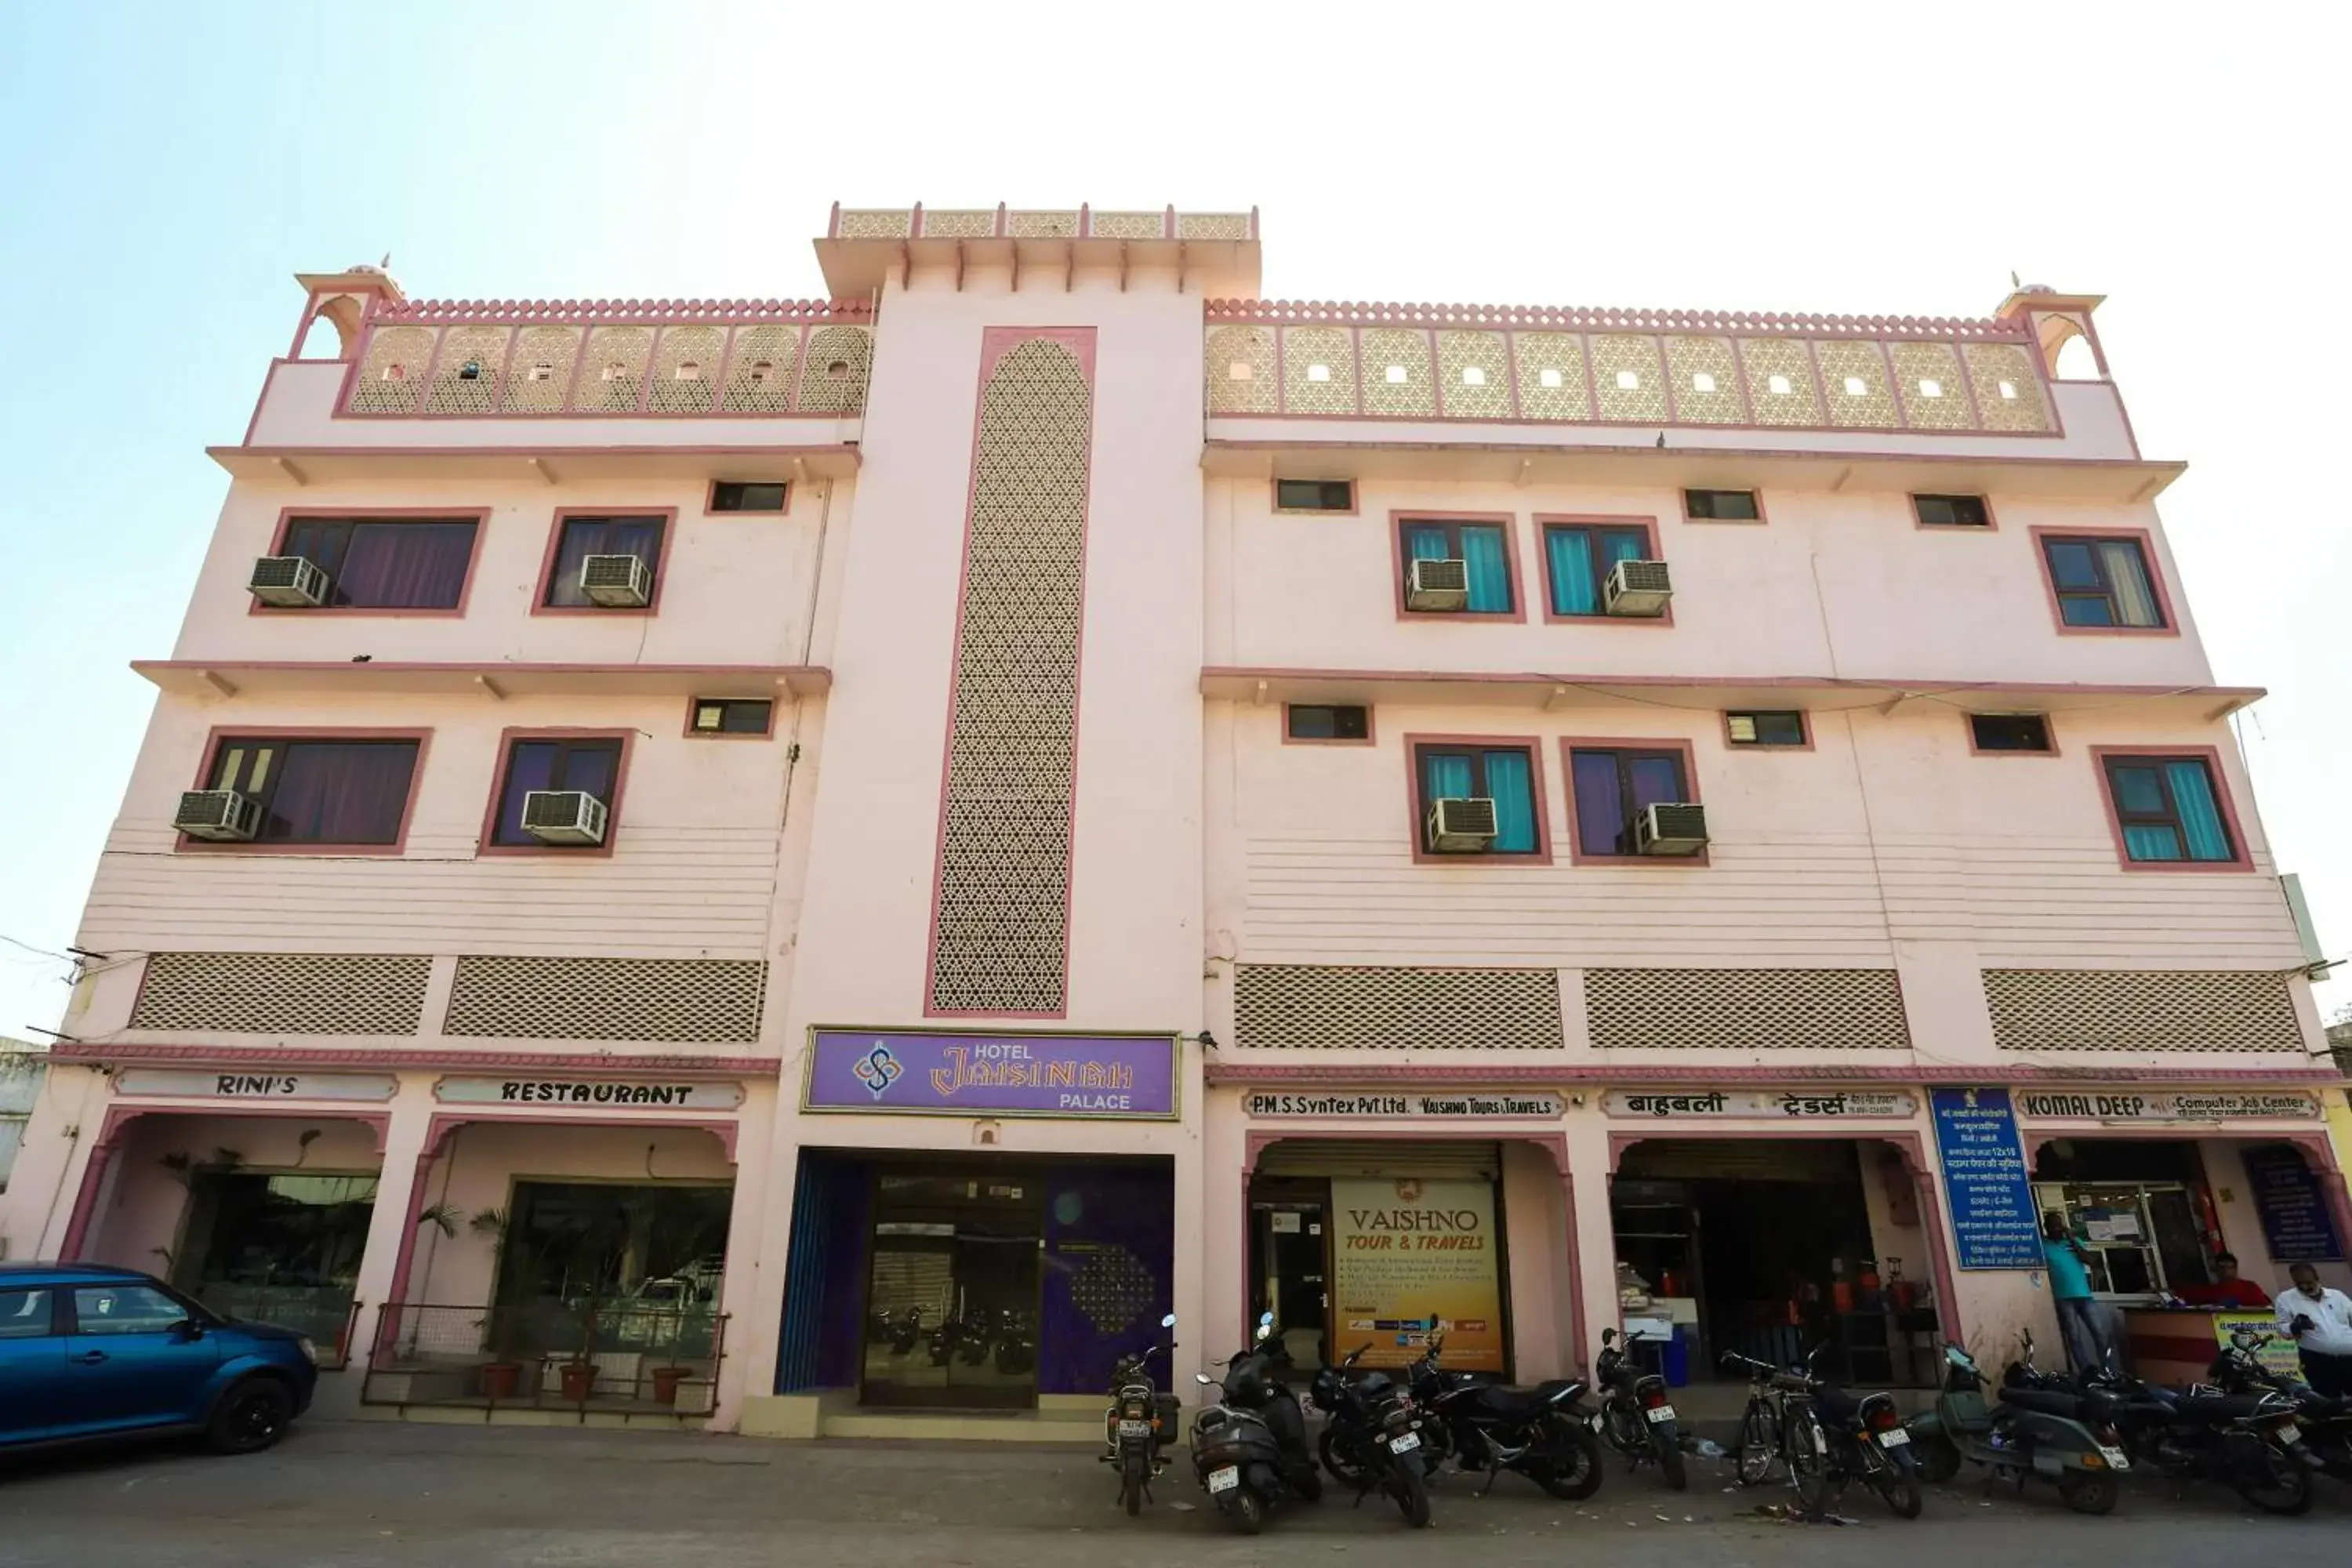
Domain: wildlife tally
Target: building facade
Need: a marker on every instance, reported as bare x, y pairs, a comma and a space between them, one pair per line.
780, 864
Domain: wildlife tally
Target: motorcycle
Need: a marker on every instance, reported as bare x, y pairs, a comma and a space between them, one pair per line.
1371, 1436
1851, 1437
1139, 1424
1487, 1426
945, 1338
1017, 1344
902, 1330
1636, 1417
2250, 1442
2065, 1437
2326, 1422
1249, 1447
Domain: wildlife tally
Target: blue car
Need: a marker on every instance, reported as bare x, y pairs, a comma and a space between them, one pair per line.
89, 1353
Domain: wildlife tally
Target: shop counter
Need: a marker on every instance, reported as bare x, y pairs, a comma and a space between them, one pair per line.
2175, 1345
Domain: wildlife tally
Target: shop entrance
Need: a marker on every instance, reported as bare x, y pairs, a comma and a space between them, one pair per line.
1768, 1247
276, 1248
952, 1299
2143, 1212
1382, 1243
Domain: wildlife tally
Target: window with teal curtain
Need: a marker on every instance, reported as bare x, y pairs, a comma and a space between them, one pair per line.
2168, 809
1503, 774
1426, 542
1577, 559
1490, 570
1510, 780
1567, 561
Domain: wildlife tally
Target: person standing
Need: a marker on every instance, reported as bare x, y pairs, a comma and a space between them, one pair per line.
2079, 1321
2319, 1320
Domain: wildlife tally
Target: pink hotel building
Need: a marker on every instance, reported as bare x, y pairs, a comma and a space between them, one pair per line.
805, 866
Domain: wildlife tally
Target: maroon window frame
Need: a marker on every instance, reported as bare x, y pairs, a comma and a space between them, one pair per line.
321, 791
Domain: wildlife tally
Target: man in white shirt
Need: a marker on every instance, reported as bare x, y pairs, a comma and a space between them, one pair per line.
2319, 1320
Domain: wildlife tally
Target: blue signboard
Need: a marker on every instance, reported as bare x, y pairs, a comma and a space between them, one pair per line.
1985, 1184
2294, 1211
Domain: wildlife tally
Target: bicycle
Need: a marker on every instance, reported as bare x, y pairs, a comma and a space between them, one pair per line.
1780, 1426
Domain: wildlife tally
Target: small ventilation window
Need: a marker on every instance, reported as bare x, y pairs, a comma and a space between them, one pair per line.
1779, 386
1930, 387
470, 370
1239, 371
2009, 392
1551, 378
1321, 721
761, 369
542, 370
1722, 505
747, 495
616, 371
687, 370
1702, 382
2010, 732
1952, 511
1398, 375
395, 371
1855, 387
1474, 376
1314, 495
1765, 728
731, 716
1628, 380
1318, 373
837, 371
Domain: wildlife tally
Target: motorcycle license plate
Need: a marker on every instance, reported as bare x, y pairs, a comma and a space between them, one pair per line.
1894, 1439
1660, 1414
1404, 1445
1134, 1428
1223, 1480
2116, 1457
2289, 1432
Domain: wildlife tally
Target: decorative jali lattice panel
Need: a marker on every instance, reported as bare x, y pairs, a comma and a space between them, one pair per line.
686, 370
1629, 378
465, 374
1240, 368
759, 377
1474, 376
1746, 1009
540, 377
392, 377
1707, 380
2144, 1010
999, 944
1333, 1007
1396, 371
1854, 382
1551, 376
1934, 395
284, 993
2009, 392
1319, 370
680, 999
833, 377
1212, 225
1781, 386
614, 375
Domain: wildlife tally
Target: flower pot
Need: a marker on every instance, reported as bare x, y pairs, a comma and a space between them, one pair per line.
665, 1382
579, 1381
500, 1379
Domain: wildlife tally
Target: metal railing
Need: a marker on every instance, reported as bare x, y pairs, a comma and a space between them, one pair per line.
326, 1313
613, 1357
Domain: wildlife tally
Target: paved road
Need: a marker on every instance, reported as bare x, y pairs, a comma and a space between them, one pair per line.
367, 1495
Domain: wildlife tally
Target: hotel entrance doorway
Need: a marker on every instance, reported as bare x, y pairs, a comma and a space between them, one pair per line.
953, 1296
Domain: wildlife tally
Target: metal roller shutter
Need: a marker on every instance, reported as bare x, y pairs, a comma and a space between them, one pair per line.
1469, 1161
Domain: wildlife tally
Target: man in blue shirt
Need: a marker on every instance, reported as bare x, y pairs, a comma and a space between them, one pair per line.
2079, 1318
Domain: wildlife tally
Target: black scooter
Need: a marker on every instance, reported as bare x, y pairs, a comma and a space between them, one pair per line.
1139, 1424
2326, 1422
2067, 1437
1371, 1436
1249, 1449
1487, 1426
1635, 1417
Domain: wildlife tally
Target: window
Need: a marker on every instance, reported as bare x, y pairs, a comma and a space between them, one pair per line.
729, 716
588, 764
1503, 774
1608, 787
389, 563
2168, 809
24, 1314
2010, 732
578, 538
1951, 511
1485, 550
2102, 581
127, 1309
1761, 728
1577, 556
1317, 721
1722, 505
319, 791
756, 495
1314, 495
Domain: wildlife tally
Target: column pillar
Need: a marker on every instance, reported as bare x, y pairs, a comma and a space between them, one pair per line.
392, 1228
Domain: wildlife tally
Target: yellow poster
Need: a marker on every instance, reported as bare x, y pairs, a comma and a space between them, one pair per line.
2279, 1356
1408, 1258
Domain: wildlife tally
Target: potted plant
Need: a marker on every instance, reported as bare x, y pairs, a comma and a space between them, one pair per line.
501, 1376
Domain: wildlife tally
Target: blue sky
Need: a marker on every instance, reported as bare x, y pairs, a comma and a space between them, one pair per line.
165, 168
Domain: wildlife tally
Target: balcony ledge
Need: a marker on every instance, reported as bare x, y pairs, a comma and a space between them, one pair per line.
548, 464
495, 682
1467, 1075
1707, 694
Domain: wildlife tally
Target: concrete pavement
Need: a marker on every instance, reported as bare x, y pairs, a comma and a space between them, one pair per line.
376, 1495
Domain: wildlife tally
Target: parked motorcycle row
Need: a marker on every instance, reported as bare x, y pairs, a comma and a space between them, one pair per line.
976, 1337
2262, 1435
1388, 1436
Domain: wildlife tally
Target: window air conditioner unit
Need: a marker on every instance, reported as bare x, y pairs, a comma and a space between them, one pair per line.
1462, 825
1437, 585
288, 581
563, 816
218, 814
1676, 829
616, 582
1637, 588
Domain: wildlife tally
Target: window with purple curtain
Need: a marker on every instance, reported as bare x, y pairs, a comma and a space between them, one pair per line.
591, 766
320, 792
586, 536
1609, 789
389, 563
